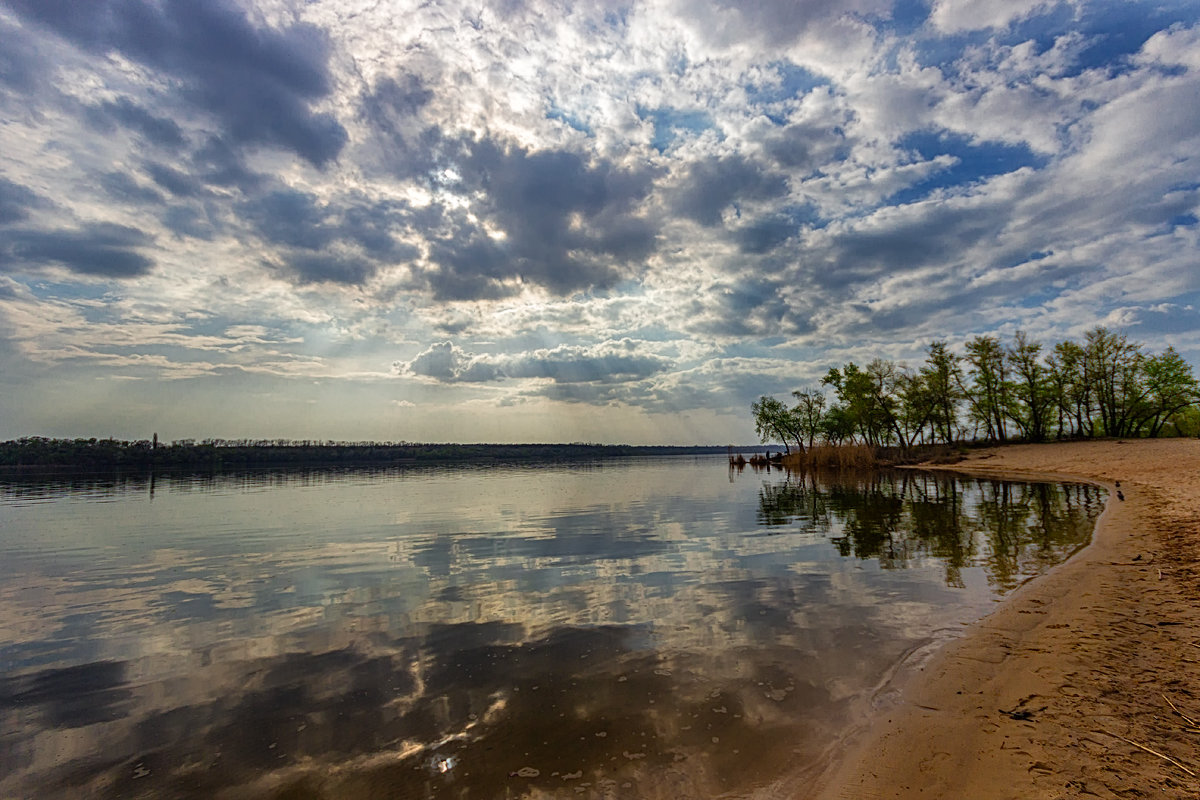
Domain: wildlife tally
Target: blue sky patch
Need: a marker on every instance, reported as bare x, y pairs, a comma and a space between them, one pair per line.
975, 161
795, 81
570, 120
672, 123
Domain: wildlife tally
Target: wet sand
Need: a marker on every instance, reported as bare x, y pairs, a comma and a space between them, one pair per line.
1063, 691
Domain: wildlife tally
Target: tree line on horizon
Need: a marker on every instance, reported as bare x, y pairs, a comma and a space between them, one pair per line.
142, 454
1104, 386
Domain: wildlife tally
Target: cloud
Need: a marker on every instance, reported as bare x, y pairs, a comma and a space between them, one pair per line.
956, 16
124, 112
20, 64
259, 82
174, 181
710, 187
329, 268
607, 362
770, 23
550, 218
343, 240
16, 201
1177, 46
123, 188
218, 163
98, 249
448, 363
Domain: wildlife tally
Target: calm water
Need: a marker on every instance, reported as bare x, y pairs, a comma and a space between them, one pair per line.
657, 628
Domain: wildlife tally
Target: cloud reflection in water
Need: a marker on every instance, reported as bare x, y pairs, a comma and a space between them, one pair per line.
644, 628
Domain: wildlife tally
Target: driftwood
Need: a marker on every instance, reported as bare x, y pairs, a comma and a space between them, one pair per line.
1148, 750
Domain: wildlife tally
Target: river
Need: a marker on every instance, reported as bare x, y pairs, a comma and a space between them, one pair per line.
631, 629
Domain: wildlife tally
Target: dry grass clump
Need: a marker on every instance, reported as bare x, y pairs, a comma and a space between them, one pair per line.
828, 456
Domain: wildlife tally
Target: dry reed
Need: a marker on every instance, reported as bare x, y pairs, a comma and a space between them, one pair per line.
826, 456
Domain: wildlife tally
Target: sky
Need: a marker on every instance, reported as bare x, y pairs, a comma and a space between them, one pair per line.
568, 221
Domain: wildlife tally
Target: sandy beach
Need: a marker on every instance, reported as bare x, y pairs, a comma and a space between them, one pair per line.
1065, 691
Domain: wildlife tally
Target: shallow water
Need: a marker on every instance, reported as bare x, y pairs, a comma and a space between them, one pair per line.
643, 628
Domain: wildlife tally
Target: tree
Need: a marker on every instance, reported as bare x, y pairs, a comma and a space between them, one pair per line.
1171, 388
868, 399
917, 407
773, 420
837, 426
988, 393
1070, 393
942, 378
1032, 391
1113, 367
809, 413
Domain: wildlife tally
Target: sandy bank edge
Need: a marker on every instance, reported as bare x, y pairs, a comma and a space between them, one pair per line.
1069, 650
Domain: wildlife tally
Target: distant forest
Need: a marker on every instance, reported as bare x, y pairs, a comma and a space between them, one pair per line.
38, 451
1104, 386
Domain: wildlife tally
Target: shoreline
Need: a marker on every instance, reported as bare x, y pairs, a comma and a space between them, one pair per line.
1060, 690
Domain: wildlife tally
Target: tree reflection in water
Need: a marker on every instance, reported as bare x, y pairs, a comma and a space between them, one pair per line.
1012, 530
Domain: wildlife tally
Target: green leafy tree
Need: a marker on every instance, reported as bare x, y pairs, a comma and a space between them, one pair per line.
1070, 392
1113, 368
774, 421
869, 399
942, 377
1032, 390
809, 413
988, 391
1171, 388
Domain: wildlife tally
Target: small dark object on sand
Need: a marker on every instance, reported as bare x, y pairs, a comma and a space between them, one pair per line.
1018, 715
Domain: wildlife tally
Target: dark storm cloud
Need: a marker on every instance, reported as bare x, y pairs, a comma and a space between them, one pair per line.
410, 143
16, 200
710, 187
127, 114
259, 82
471, 266
100, 249
592, 394
568, 224
550, 218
